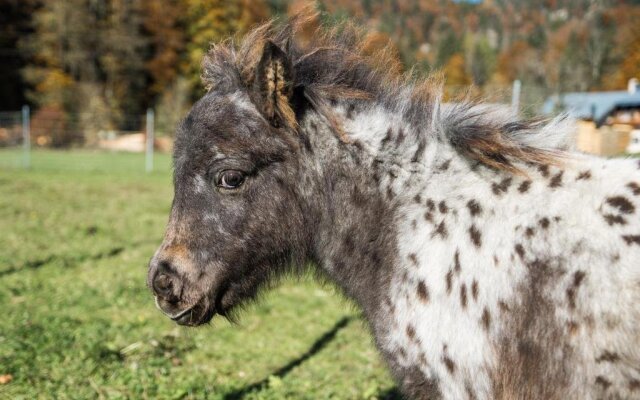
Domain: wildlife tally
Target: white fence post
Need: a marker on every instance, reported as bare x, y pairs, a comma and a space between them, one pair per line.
515, 96
26, 137
149, 147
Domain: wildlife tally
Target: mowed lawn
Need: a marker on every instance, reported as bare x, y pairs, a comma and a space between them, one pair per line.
78, 322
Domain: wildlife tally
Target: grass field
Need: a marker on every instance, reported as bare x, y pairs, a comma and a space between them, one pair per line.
79, 323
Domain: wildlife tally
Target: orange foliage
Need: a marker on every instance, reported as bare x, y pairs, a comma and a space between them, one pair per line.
455, 72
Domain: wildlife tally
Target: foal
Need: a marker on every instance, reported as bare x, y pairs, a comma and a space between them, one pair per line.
489, 261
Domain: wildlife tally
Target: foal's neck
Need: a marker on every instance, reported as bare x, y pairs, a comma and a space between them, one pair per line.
364, 187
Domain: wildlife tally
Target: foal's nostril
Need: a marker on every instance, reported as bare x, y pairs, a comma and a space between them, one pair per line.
165, 284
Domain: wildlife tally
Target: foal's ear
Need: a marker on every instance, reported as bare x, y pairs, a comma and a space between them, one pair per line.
273, 86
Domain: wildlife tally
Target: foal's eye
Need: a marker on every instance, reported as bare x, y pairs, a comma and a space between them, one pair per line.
230, 179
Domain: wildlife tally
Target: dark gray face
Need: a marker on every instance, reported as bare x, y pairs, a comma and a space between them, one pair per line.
236, 218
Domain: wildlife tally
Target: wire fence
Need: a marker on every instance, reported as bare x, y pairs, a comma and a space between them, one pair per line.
26, 140
23, 134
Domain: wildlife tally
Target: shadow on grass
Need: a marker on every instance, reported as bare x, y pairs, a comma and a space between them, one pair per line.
66, 260
74, 259
317, 346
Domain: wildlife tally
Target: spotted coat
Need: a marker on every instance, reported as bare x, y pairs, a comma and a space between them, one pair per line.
489, 261
507, 286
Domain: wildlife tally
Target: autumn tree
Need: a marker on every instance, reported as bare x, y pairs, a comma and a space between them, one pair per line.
210, 21
120, 60
15, 22
455, 71
483, 62
630, 65
59, 52
164, 27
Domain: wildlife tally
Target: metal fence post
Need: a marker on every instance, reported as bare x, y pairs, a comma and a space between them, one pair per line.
515, 96
26, 137
149, 147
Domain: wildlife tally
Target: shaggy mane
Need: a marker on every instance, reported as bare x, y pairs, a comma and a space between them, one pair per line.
341, 64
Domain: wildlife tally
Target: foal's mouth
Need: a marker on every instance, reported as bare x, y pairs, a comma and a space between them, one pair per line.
194, 316
202, 311
198, 314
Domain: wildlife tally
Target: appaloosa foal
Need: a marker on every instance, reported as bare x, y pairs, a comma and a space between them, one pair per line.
488, 260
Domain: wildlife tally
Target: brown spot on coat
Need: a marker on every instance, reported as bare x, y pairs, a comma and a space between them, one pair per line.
502, 187
631, 239
578, 277
445, 165
519, 250
417, 198
414, 259
602, 381
431, 205
474, 290
449, 281
524, 186
503, 306
556, 181
584, 175
486, 319
423, 292
441, 230
451, 366
463, 295
529, 232
635, 188
622, 204
608, 356
411, 332
476, 237
428, 216
544, 170
614, 219
634, 384
442, 206
474, 208
456, 261
544, 222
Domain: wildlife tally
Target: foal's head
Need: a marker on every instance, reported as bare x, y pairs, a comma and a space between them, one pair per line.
236, 218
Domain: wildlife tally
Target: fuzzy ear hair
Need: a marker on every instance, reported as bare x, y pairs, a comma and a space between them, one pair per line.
273, 86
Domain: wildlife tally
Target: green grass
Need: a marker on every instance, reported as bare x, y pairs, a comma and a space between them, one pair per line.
78, 322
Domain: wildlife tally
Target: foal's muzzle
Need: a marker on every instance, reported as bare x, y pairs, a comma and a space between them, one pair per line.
165, 282
172, 297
